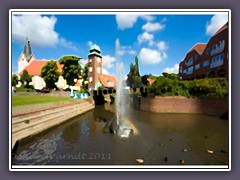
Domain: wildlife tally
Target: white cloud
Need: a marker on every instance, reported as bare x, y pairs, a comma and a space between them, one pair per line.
125, 21
119, 50
162, 45
216, 22
145, 37
173, 69
108, 61
148, 17
150, 56
67, 44
132, 52
150, 27
39, 29
105, 71
89, 43
83, 62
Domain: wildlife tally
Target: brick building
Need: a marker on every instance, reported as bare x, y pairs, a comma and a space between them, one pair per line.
96, 78
210, 59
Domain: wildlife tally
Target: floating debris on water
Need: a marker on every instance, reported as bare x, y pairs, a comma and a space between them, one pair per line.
140, 161
206, 136
223, 151
185, 150
182, 161
209, 151
166, 159
161, 144
173, 140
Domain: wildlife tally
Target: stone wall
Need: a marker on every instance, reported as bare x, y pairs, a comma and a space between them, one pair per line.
181, 105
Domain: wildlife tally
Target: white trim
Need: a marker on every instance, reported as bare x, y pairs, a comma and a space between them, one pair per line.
114, 12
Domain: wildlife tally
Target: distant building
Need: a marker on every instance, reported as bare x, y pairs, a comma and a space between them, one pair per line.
27, 61
210, 59
96, 78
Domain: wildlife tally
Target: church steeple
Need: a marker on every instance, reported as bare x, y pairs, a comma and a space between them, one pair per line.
27, 50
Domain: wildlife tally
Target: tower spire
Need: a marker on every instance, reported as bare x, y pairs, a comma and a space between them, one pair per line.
27, 50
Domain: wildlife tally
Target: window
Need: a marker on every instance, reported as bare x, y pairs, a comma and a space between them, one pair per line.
197, 66
196, 57
90, 79
205, 63
190, 70
208, 51
98, 70
98, 59
90, 69
189, 62
222, 56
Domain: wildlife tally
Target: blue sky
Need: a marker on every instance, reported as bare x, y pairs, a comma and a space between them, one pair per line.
159, 41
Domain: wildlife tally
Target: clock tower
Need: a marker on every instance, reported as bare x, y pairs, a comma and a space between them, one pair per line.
94, 66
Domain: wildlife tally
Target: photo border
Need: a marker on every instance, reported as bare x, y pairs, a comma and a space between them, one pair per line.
113, 12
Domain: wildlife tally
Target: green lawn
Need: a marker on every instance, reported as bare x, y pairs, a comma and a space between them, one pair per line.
20, 100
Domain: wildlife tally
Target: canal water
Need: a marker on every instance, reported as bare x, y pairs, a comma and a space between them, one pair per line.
158, 139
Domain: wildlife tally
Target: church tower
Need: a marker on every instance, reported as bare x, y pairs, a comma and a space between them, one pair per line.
26, 57
94, 66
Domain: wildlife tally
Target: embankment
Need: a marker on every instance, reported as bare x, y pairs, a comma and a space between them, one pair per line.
181, 105
33, 119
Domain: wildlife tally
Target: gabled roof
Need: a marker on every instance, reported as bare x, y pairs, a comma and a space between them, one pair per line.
150, 80
199, 47
221, 29
35, 67
104, 78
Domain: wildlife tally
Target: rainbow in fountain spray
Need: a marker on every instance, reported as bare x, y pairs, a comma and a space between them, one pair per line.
126, 127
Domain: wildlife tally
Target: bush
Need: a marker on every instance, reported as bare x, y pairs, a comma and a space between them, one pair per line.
208, 87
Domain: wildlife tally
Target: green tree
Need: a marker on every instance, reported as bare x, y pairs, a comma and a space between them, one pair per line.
26, 79
71, 68
85, 77
14, 80
50, 74
133, 77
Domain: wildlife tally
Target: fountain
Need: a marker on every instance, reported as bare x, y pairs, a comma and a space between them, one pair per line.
125, 126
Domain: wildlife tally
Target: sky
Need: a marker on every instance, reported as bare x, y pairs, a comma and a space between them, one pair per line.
160, 41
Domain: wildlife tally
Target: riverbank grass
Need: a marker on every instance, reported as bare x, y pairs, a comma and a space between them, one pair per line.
21, 100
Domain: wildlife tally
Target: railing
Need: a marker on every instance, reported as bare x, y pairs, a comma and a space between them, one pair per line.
219, 49
190, 72
216, 64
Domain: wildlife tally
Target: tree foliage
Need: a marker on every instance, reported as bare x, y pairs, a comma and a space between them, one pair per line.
85, 77
14, 80
133, 78
26, 79
207, 87
50, 74
71, 68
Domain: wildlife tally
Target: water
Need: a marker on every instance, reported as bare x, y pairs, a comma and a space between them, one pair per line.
81, 141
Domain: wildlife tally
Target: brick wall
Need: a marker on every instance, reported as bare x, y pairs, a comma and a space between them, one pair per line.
181, 105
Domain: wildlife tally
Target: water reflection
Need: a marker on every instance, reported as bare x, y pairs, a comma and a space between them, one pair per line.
160, 136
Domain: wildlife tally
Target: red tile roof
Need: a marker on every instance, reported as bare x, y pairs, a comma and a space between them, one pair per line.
150, 80
199, 47
78, 83
35, 67
105, 79
222, 28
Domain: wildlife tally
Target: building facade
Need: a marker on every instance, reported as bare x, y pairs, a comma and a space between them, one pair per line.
207, 60
27, 61
96, 78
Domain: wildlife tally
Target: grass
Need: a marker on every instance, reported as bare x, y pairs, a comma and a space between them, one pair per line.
21, 100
